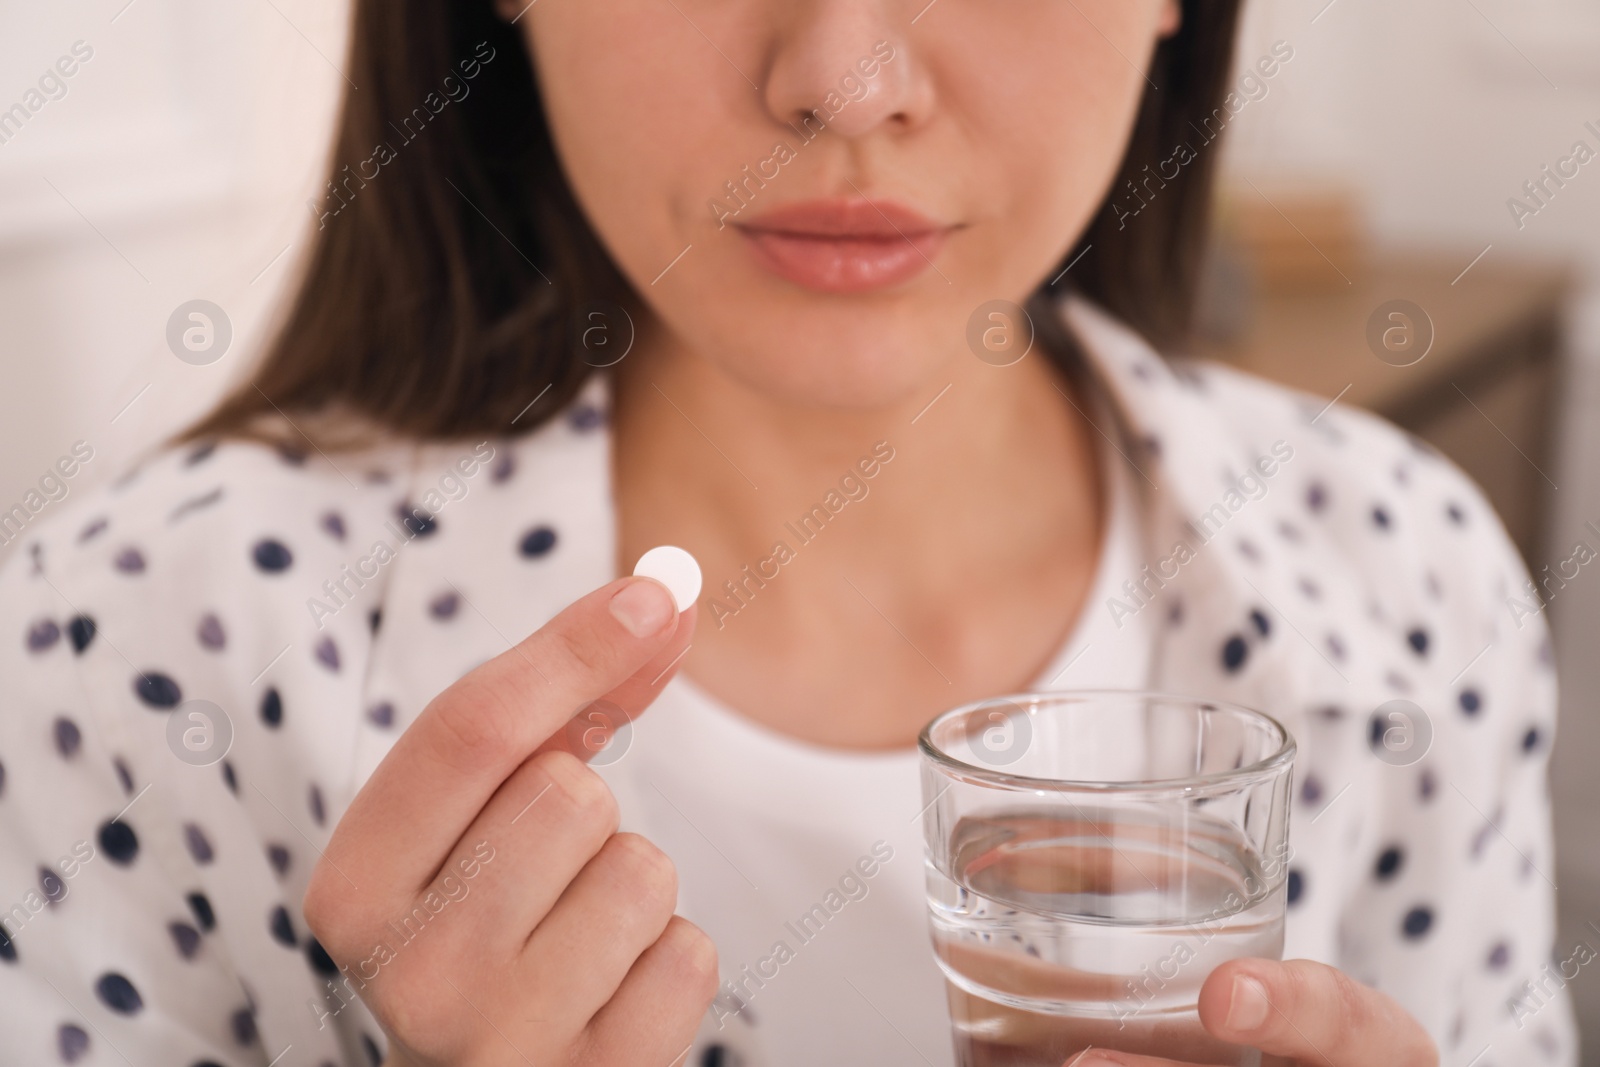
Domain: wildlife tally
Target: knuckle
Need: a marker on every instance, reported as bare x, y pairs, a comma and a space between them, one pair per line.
1337, 1003
584, 795
1424, 1053
649, 869
478, 721
571, 651
329, 912
695, 956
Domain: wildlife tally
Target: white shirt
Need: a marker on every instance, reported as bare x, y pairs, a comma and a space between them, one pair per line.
708, 785
152, 907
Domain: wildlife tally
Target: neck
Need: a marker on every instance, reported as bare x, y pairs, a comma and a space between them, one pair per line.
973, 492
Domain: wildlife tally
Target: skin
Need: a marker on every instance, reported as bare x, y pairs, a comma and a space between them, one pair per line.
744, 399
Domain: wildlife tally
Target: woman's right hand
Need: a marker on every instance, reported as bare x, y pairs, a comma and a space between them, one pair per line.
477, 893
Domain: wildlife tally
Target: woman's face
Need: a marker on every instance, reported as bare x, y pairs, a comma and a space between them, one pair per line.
816, 195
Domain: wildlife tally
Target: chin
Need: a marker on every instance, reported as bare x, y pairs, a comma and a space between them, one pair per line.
855, 368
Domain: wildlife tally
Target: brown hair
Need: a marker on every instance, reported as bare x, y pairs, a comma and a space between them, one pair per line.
443, 293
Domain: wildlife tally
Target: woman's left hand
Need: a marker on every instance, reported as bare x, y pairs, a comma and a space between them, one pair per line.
1302, 1014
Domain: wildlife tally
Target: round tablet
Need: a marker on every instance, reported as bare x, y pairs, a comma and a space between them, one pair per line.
674, 568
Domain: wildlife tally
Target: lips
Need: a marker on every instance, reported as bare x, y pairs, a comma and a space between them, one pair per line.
845, 246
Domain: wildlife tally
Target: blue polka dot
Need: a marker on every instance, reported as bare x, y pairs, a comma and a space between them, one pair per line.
374, 1054
278, 856
42, 634
157, 690
119, 842
419, 522
72, 1042
381, 714
8, 951
1380, 518
272, 556
198, 844
444, 606
244, 1027
1470, 701
272, 708
211, 634
230, 778
129, 561
1297, 886
185, 937
282, 929
200, 904
1234, 653
537, 542
81, 629
1531, 739
1311, 789
1263, 625
51, 885
1499, 956
586, 417
327, 653
68, 737
1418, 640
1418, 921
1389, 863
118, 994
319, 959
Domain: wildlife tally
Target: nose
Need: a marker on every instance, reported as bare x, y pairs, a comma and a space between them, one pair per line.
845, 66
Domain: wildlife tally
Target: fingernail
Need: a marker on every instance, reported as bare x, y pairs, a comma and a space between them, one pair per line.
643, 606
1095, 1058
1249, 1006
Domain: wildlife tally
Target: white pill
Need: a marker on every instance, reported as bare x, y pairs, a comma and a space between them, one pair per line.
674, 568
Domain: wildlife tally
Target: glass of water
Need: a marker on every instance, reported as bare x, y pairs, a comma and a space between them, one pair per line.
1091, 857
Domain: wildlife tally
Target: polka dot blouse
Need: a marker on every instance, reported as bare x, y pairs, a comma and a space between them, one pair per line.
201, 664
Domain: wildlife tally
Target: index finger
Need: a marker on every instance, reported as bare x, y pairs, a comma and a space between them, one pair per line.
471, 737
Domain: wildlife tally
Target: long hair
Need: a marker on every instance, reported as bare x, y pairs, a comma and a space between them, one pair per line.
446, 285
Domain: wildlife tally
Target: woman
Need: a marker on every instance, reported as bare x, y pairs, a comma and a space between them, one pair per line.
294, 707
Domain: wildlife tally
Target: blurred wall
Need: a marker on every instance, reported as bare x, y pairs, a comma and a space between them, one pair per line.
178, 162
173, 164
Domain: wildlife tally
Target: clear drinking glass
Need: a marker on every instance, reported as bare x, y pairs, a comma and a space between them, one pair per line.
1091, 856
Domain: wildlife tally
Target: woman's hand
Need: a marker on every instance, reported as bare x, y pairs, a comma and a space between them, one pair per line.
1302, 1014
476, 893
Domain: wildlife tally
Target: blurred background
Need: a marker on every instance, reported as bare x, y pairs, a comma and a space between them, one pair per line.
1371, 248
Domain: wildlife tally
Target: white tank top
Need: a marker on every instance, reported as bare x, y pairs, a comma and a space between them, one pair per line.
764, 828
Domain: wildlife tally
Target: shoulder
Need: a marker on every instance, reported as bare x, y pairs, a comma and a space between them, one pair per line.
1378, 496
188, 574
1361, 531
240, 513
1403, 556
